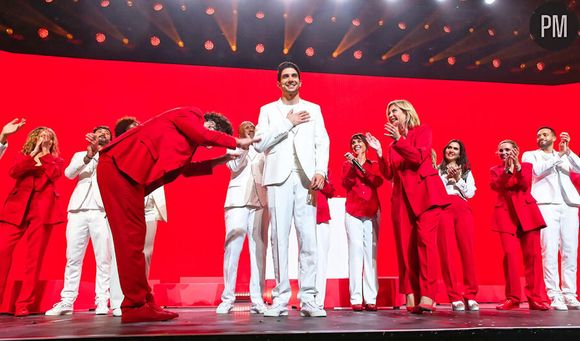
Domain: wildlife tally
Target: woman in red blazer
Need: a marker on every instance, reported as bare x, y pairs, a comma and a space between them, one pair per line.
518, 220
32, 207
417, 198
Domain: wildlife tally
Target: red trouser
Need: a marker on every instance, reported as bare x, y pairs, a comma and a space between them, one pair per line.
458, 229
529, 241
124, 205
416, 240
37, 239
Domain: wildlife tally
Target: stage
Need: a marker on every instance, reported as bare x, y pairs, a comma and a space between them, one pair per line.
340, 324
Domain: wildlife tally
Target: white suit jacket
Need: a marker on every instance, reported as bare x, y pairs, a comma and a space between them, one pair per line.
310, 142
159, 206
3, 148
87, 183
551, 174
245, 187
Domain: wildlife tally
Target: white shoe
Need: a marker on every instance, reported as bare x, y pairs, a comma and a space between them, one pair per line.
224, 308
472, 305
259, 308
117, 312
276, 310
458, 306
558, 303
571, 302
60, 308
311, 309
102, 307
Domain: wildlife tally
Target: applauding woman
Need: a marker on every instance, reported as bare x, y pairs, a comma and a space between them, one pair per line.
32, 207
362, 223
518, 220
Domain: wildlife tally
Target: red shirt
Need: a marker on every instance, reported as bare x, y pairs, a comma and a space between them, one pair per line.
322, 209
362, 200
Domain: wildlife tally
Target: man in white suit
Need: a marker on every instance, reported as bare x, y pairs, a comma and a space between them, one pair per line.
9, 129
296, 146
86, 219
246, 212
558, 200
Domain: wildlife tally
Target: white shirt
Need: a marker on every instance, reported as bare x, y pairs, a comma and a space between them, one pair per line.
465, 188
3, 148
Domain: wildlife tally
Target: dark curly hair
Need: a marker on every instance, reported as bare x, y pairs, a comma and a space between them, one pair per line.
221, 122
462, 160
123, 124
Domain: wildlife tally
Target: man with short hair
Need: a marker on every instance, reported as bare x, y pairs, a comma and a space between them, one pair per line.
139, 161
296, 146
558, 201
86, 220
9, 129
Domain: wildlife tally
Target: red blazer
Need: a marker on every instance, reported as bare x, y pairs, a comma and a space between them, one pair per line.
362, 198
515, 206
39, 181
410, 168
152, 153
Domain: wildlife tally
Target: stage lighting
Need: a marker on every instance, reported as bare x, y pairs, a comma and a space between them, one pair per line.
309, 52
130, 3
489, 2
209, 11
180, 43
105, 3
285, 15
471, 30
332, 19
100, 37
69, 36
260, 48
158, 6
447, 29
477, 63
540, 66
48, 1
42, 33
402, 25
491, 32
260, 15
208, 45
516, 32
334, 54
358, 54
405, 57
426, 26
155, 41
9, 31
285, 50
308, 19
451, 60
522, 66
125, 41
567, 68
496, 63
431, 60
183, 8
381, 22
356, 22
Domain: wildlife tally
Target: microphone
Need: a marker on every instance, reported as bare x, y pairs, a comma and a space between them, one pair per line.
354, 161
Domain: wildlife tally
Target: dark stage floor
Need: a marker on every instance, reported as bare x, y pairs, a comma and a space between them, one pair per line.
488, 324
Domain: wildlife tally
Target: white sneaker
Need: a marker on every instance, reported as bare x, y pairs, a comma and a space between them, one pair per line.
571, 302
472, 305
224, 308
60, 308
311, 309
276, 310
117, 312
259, 308
102, 307
458, 306
558, 303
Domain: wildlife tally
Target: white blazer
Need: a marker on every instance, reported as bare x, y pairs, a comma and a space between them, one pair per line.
310, 142
245, 187
159, 205
3, 148
87, 183
551, 174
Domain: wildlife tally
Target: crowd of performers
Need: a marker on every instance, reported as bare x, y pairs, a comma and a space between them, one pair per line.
279, 175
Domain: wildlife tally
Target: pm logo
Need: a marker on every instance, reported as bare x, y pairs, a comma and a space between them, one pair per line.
553, 26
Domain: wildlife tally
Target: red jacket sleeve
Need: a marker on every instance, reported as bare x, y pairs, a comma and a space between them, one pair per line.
349, 174
373, 176
52, 166
385, 167
420, 151
24, 165
504, 181
328, 190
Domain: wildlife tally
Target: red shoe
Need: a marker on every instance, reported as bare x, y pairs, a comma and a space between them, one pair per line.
538, 305
410, 308
357, 307
21, 312
508, 304
157, 308
146, 313
371, 307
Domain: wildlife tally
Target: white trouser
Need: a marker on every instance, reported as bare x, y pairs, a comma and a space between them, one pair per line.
362, 235
286, 201
254, 222
116, 292
561, 234
81, 226
322, 246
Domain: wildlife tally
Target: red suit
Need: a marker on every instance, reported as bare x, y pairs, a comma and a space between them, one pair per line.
142, 159
517, 216
416, 201
33, 206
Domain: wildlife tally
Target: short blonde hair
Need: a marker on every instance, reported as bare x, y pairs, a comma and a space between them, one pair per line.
33, 138
410, 112
243, 126
512, 142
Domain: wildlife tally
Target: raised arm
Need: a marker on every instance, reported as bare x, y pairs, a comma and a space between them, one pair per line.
419, 152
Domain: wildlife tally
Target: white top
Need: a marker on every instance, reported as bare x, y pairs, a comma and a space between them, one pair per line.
155, 207
245, 188
86, 195
3, 148
465, 188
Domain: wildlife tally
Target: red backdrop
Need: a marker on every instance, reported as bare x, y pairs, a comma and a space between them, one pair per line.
73, 95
